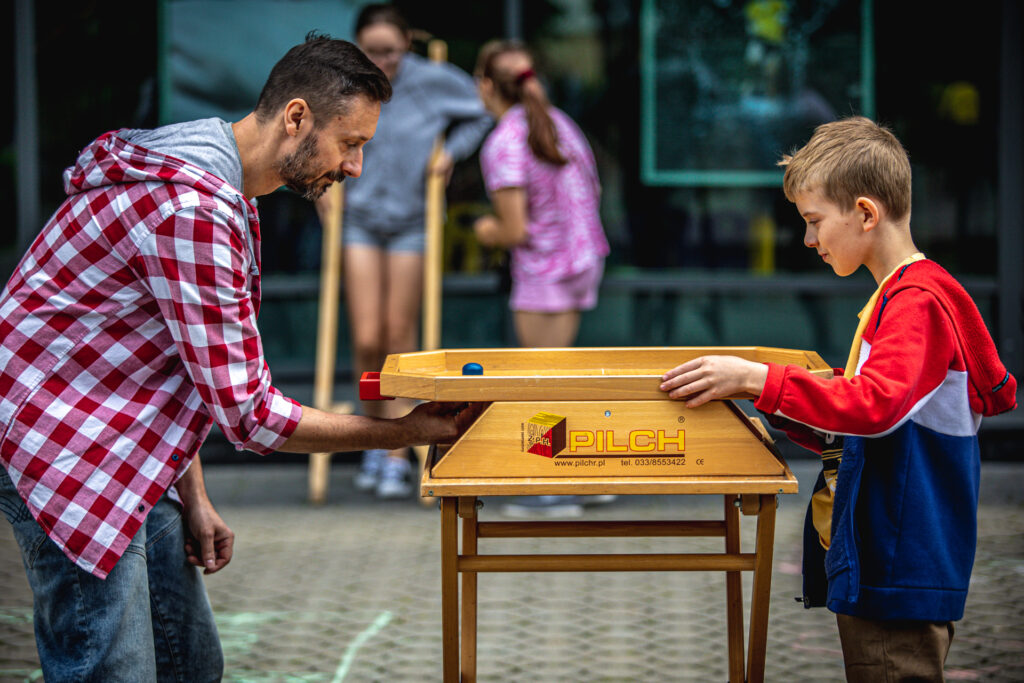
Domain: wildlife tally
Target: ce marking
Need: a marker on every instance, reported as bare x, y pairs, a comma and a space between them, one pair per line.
700, 461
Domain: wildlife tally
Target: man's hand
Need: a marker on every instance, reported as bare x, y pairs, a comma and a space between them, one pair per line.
710, 377
208, 540
439, 422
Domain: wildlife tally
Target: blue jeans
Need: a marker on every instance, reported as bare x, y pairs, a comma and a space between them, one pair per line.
149, 620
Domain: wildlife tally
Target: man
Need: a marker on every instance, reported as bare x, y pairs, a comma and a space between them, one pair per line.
127, 330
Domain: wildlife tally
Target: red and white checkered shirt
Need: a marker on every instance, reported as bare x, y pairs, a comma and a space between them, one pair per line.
128, 329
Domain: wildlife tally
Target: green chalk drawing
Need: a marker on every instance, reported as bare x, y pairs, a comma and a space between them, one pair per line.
240, 633
15, 615
350, 652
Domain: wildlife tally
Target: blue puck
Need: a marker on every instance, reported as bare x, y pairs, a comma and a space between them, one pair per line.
472, 369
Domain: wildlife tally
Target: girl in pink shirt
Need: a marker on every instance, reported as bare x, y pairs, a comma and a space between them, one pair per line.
540, 174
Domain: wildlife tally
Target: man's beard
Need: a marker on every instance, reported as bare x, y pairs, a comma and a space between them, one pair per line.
296, 170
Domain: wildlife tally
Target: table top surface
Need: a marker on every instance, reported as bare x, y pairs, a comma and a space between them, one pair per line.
622, 373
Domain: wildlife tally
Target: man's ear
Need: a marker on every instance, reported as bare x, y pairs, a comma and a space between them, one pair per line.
297, 115
868, 212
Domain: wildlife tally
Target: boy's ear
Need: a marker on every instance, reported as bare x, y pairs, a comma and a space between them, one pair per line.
869, 212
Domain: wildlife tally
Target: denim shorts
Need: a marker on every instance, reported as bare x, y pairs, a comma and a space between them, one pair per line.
409, 237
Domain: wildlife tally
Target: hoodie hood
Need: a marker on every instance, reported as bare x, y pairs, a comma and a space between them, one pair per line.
113, 159
992, 388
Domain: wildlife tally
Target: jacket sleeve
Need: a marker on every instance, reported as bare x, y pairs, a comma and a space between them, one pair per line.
800, 434
460, 105
196, 263
910, 354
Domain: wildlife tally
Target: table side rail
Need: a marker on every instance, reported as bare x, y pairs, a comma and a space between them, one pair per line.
633, 562
611, 529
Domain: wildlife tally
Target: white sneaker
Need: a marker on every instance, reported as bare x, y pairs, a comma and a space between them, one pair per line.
550, 507
394, 478
369, 471
598, 499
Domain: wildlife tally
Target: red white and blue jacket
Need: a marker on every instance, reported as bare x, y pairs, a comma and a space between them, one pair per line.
904, 522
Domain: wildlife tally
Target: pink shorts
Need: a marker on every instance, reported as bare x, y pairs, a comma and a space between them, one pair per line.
575, 293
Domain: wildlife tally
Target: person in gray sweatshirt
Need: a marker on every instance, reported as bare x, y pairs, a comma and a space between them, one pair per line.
383, 231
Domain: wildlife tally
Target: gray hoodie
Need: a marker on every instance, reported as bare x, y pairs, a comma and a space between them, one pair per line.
428, 99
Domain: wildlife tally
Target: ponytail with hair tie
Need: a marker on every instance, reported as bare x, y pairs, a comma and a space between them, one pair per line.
543, 135
523, 76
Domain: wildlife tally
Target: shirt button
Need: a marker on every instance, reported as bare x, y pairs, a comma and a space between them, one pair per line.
175, 457
142, 508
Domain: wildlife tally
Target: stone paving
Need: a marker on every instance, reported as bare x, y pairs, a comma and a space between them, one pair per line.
350, 591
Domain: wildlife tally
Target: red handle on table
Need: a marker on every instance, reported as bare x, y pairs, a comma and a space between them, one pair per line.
369, 388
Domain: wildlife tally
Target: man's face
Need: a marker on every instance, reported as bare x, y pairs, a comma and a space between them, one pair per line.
329, 152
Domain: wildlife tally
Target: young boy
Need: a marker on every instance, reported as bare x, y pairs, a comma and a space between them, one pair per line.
898, 517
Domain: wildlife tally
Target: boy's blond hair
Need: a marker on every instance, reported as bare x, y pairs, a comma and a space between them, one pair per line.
850, 158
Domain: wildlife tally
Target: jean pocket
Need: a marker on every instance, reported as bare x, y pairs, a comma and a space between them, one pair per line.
165, 518
11, 504
32, 540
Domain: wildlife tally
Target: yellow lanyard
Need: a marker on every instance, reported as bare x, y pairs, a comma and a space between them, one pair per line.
865, 315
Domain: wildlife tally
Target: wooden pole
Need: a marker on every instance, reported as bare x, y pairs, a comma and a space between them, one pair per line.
437, 51
327, 330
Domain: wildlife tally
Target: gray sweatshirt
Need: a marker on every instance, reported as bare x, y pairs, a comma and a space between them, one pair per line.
428, 99
206, 143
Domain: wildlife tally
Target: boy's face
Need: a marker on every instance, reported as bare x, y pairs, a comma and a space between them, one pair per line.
838, 236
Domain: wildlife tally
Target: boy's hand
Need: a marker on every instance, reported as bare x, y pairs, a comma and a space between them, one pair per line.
710, 377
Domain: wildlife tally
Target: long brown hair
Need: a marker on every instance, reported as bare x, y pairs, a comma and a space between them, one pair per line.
381, 14
523, 87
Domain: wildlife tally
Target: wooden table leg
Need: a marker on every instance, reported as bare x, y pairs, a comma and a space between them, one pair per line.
450, 589
734, 592
761, 592
467, 511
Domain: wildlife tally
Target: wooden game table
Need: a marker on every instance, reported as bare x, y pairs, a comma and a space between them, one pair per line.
593, 421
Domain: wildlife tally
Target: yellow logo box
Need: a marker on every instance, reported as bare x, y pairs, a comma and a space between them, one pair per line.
545, 434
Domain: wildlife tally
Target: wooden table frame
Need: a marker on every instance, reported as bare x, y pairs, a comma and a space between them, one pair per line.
749, 495
603, 407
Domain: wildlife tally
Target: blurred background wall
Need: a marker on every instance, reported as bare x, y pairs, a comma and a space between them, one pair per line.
687, 104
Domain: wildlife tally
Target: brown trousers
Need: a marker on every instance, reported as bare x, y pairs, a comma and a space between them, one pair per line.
890, 651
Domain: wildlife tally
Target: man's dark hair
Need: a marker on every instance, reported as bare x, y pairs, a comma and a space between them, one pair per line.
326, 73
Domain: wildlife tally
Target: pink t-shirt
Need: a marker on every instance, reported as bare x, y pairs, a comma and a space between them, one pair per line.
564, 233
